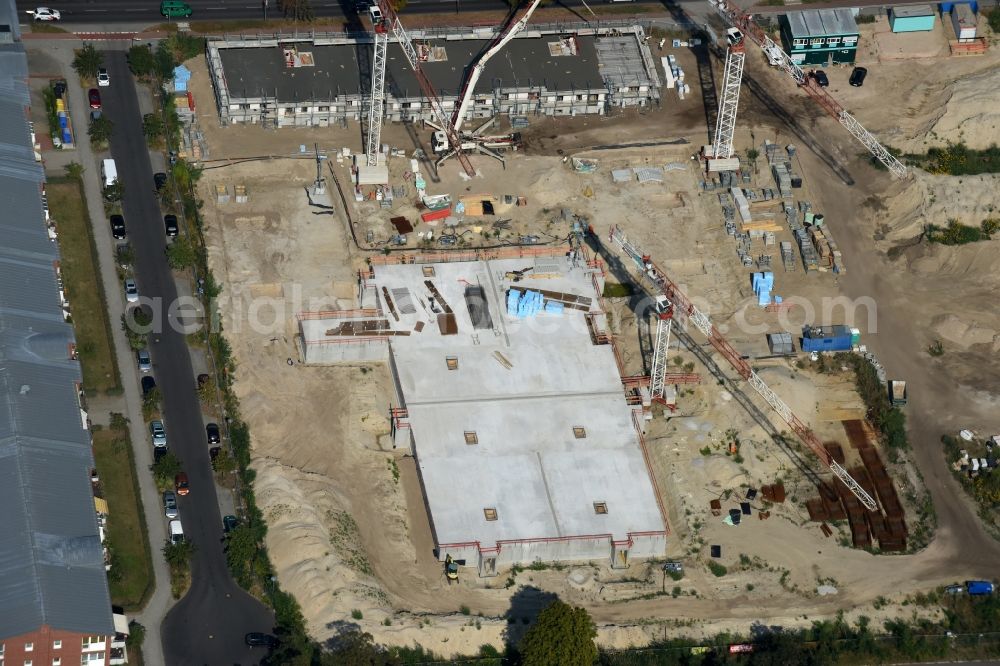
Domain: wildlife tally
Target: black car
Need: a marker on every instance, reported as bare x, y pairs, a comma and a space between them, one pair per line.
257, 639
230, 523
118, 226
170, 225
159, 452
159, 180
148, 384
858, 77
820, 77
212, 431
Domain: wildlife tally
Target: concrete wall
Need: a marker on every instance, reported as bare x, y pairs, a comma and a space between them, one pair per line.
597, 549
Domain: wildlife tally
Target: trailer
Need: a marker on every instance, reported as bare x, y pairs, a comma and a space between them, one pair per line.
897, 392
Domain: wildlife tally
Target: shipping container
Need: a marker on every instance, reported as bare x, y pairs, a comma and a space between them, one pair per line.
912, 18
963, 19
978, 587
826, 338
432, 215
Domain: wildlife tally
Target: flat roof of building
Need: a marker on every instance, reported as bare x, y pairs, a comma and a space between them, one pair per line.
252, 72
531, 422
913, 11
821, 23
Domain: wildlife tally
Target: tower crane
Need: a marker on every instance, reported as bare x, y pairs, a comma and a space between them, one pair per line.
744, 23
725, 127
385, 20
662, 287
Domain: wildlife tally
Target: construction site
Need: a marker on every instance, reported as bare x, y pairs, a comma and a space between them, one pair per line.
477, 380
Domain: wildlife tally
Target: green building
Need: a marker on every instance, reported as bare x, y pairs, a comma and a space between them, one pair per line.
820, 36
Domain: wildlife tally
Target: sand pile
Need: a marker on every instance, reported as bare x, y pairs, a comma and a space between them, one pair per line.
965, 333
929, 199
971, 114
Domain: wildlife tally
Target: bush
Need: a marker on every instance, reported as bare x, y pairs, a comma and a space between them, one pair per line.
994, 20
956, 233
181, 254
152, 127
717, 569
100, 131
889, 420
957, 159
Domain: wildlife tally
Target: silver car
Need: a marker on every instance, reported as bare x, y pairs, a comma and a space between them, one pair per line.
170, 504
158, 433
142, 358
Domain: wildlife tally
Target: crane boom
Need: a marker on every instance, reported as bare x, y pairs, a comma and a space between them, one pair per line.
517, 23
666, 287
391, 19
376, 109
777, 56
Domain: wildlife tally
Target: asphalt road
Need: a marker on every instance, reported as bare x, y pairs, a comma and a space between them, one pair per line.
208, 625
148, 11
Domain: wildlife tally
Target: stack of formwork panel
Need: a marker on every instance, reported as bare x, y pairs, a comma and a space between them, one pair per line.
831, 501
836, 451
856, 516
787, 256
774, 493
857, 434
809, 257
817, 510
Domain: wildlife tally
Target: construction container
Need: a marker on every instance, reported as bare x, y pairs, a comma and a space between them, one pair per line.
855, 336
780, 343
963, 19
433, 215
911, 18
826, 338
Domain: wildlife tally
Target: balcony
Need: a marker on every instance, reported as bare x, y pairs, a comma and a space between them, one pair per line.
118, 655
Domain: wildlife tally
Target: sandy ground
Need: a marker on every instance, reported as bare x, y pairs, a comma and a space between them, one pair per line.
347, 526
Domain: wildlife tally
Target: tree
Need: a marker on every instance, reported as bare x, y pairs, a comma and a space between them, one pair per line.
74, 170
164, 62
181, 253
100, 130
563, 635
178, 554
165, 469
152, 127
87, 61
141, 61
299, 10
994, 20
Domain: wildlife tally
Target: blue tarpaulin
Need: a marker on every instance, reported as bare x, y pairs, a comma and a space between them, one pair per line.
181, 77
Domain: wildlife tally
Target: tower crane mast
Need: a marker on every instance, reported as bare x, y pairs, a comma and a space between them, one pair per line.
776, 55
384, 18
663, 287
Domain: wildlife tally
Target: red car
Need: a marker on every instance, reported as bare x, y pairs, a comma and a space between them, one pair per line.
95, 98
181, 484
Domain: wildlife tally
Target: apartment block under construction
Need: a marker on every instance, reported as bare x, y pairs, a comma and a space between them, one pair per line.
320, 80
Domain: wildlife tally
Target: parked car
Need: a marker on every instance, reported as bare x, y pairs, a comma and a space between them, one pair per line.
858, 77
95, 114
214, 452
45, 14
170, 225
212, 431
159, 453
954, 589
159, 180
257, 639
118, 226
143, 361
158, 433
181, 484
229, 523
820, 77
148, 384
131, 291
103, 79
176, 531
94, 95
170, 504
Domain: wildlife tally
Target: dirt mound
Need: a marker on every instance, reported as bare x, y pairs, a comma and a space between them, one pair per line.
971, 114
965, 333
931, 199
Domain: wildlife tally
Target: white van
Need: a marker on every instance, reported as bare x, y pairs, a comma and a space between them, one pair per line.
176, 531
109, 172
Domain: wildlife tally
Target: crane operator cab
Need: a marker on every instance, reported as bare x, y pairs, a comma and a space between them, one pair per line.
377, 19
734, 36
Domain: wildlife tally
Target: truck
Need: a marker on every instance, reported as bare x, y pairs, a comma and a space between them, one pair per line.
978, 587
897, 392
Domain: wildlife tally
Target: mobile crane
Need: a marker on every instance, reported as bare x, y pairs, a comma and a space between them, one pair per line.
663, 289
